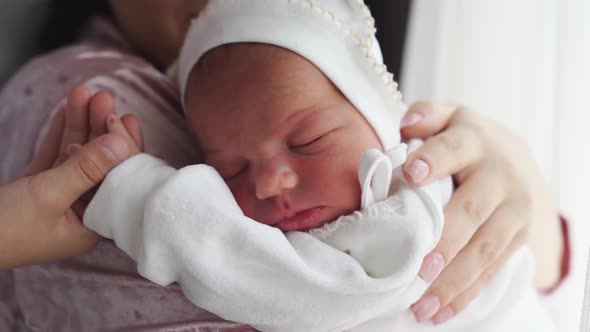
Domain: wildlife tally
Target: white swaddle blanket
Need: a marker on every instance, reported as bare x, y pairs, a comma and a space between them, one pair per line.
358, 273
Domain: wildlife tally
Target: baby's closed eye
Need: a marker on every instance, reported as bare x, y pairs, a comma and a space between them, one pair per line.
312, 144
230, 169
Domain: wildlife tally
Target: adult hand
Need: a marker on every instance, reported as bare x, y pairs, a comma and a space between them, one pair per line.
86, 118
37, 223
500, 203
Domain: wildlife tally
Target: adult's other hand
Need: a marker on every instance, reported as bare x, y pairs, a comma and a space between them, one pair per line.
37, 223
500, 204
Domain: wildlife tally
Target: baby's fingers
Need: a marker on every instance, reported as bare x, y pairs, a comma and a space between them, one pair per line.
115, 126
131, 123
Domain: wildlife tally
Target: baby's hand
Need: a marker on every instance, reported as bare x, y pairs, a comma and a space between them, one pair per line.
88, 117
122, 127
103, 119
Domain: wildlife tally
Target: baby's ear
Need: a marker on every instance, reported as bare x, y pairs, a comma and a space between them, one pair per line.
172, 73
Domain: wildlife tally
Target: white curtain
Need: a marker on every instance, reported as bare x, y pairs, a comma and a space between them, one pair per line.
525, 63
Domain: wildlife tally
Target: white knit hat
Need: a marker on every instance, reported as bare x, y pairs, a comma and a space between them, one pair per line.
337, 36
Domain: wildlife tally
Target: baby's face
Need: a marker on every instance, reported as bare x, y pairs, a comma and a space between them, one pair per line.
282, 136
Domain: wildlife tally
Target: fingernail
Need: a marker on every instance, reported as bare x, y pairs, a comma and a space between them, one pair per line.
432, 266
115, 148
442, 316
72, 149
425, 308
111, 120
417, 170
410, 119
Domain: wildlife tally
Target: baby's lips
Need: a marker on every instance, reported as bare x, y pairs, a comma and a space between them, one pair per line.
302, 220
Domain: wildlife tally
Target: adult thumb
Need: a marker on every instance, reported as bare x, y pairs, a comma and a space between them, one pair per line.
87, 168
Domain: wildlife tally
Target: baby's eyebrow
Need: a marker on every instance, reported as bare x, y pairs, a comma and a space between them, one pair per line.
314, 114
306, 114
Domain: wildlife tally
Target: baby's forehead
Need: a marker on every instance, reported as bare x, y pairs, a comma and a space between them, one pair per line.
219, 57
270, 84
246, 73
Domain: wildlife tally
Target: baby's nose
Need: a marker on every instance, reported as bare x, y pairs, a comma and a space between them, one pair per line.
274, 181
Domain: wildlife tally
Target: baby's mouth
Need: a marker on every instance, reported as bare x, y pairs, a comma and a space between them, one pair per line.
302, 220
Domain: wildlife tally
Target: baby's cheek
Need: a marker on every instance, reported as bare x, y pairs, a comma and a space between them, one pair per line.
338, 183
243, 196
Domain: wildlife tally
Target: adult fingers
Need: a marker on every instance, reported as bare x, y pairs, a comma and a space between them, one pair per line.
49, 150
114, 126
425, 119
490, 240
79, 206
49, 240
76, 130
131, 123
467, 296
73, 232
73, 237
67, 182
447, 153
101, 106
468, 209
487, 245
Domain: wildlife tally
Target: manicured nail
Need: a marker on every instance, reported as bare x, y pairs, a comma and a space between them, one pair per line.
115, 147
417, 169
442, 316
432, 266
410, 119
425, 308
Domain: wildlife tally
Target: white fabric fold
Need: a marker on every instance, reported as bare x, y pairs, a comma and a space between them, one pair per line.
185, 226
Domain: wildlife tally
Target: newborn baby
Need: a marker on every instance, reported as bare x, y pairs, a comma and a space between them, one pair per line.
299, 123
286, 141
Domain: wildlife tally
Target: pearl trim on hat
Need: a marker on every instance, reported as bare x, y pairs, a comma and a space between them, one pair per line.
366, 43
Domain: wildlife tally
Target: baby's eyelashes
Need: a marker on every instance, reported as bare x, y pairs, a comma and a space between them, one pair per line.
307, 143
230, 170
311, 146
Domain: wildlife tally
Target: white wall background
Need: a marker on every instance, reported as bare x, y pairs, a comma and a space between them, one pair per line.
525, 63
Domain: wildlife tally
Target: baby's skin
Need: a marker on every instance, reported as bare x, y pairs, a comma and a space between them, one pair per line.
286, 141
